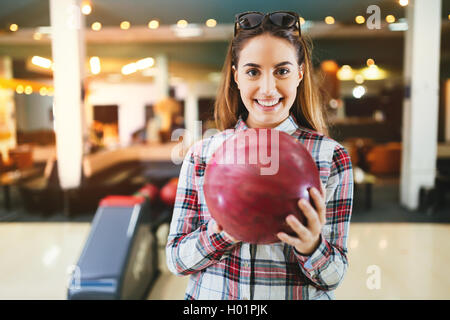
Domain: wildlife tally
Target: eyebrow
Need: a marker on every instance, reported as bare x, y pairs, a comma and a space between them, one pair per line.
258, 66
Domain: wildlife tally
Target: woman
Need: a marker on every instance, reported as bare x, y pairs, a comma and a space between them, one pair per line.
267, 83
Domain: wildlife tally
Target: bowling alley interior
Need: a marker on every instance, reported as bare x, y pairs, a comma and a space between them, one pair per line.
100, 101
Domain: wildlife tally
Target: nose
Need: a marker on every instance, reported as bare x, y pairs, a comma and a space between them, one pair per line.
268, 85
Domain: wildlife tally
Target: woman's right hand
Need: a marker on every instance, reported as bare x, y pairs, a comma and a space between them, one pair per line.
218, 229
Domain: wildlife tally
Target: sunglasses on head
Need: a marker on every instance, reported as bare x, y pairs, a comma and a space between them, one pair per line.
252, 19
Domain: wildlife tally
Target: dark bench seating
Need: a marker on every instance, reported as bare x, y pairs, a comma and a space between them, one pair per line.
44, 194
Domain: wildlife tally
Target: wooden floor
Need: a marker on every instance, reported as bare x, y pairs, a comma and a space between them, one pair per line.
387, 261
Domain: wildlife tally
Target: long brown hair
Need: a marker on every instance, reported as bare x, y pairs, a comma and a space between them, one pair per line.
307, 109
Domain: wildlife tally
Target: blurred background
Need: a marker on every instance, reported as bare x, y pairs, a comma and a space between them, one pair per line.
92, 93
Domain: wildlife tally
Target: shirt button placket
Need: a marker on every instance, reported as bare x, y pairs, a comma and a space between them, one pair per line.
246, 291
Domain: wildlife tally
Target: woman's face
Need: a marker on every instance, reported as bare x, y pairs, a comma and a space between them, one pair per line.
267, 76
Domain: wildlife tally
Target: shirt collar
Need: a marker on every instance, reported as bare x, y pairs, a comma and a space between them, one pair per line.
289, 125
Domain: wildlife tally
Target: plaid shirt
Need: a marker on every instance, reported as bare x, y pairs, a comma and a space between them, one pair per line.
222, 269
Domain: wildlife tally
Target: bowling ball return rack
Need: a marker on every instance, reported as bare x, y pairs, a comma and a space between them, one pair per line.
120, 257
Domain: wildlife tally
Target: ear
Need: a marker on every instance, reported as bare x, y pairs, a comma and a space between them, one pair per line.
235, 75
301, 73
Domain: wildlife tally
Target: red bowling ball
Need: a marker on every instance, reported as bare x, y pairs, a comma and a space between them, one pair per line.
169, 192
254, 181
149, 191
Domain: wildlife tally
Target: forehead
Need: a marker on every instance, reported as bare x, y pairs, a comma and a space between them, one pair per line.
267, 50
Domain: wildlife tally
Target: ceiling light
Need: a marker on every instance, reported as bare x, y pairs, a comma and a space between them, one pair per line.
28, 90
211, 23
145, 63
358, 91
41, 62
43, 91
360, 19
154, 24
13, 27
345, 73
403, 3
329, 20
19, 89
129, 68
182, 23
86, 7
96, 26
390, 18
125, 25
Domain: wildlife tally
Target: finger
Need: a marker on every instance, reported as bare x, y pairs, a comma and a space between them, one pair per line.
312, 217
301, 231
323, 190
293, 241
319, 203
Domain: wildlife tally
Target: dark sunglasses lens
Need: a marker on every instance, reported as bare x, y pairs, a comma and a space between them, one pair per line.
283, 19
250, 20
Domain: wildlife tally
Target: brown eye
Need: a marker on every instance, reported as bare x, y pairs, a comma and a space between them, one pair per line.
252, 72
283, 71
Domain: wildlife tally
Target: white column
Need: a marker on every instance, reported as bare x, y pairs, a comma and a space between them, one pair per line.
420, 120
162, 76
191, 120
68, 50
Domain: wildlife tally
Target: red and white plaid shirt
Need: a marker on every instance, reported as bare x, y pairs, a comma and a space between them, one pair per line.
222, 269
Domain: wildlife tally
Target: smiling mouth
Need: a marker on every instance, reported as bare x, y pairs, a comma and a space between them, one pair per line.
269, 104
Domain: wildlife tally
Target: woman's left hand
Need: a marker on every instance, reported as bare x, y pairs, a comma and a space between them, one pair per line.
308, 237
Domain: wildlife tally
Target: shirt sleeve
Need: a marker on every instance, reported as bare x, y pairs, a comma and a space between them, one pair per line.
327, 265
192, 244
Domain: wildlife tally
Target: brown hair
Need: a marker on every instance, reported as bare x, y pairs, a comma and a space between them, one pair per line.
307, 108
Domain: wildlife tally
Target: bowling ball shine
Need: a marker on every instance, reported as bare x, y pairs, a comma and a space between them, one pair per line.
253, 182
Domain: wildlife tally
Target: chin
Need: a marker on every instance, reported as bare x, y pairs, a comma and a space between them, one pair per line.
269, 120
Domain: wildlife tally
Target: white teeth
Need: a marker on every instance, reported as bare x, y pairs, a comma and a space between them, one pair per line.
268, 103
